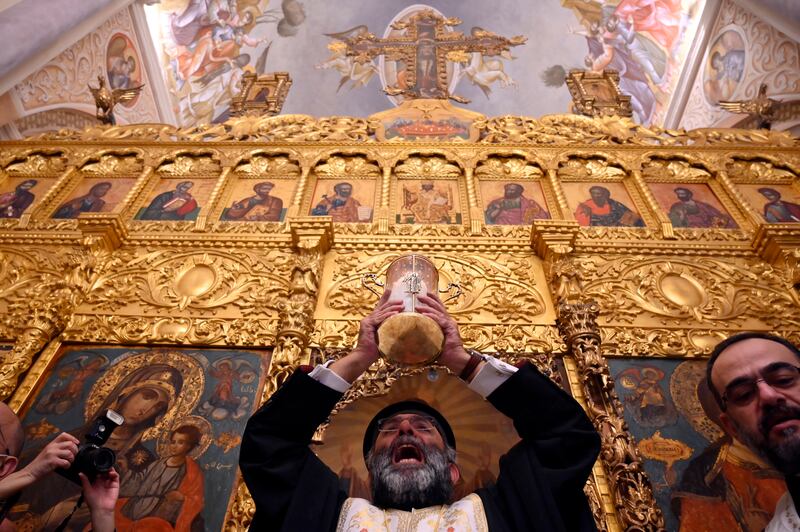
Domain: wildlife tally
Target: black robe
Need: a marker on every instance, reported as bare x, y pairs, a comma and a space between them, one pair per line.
539, 488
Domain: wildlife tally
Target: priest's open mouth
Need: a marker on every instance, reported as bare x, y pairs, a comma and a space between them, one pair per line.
408, 454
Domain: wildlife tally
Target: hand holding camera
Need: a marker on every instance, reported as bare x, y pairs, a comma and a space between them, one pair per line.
59, 453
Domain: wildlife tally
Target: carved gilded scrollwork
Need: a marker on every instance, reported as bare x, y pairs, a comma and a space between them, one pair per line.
349, 166
499, 289
46, 303
632, 493
427, 166
509, 168
263, 166
287, 286
678, 292
179, 280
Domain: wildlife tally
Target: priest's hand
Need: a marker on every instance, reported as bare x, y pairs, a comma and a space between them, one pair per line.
453, 354
365, 353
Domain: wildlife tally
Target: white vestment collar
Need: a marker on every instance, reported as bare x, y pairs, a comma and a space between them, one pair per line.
466, 515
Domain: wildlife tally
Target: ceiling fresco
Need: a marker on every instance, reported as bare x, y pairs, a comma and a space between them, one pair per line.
206, 46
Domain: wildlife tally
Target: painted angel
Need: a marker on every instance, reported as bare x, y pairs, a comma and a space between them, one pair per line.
358, 74
223, 401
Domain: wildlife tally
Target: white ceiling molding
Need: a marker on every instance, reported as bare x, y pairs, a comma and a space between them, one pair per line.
784, 17
152, 63
12, 72
693, 62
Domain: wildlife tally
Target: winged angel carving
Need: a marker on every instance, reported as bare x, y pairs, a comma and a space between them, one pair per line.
762, 107
105, 99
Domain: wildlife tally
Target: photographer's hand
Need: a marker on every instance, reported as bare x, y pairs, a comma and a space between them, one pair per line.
356, 362
101, 497
58, 453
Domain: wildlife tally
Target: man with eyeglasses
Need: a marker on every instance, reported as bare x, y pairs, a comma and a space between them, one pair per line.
409, 449
755, 378
101, 494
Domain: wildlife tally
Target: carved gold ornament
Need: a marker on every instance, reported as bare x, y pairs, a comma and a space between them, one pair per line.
292, 287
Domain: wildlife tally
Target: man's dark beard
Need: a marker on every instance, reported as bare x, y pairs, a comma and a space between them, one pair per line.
407, 487
784, 456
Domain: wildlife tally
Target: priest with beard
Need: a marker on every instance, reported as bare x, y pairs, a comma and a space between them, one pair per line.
410, 449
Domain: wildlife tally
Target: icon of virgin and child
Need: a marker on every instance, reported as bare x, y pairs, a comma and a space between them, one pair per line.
162, 490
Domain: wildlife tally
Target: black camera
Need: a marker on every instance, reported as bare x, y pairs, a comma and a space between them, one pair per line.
92, 458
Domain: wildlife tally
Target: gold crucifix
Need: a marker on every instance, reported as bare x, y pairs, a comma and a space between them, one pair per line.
425, 49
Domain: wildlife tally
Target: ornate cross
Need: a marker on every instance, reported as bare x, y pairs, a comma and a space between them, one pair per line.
425, 49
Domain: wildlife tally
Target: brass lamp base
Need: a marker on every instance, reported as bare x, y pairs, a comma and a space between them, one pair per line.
410, 339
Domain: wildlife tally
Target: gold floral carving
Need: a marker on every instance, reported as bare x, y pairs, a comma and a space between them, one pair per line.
567, 129
263, 166
179, 280
347, 166
113, 165
594, 169
46, 303
760, 170
433, 166
38, 164
673, 169
498, 289
632, 493
185, 165
702, 291
508, 167
294, 285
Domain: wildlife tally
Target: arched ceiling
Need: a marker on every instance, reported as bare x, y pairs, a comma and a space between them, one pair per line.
676, 57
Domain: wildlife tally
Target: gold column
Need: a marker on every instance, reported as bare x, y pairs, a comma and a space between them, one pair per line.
202, 217
563, 206
382, 212
312, 237
633, 495
667, 230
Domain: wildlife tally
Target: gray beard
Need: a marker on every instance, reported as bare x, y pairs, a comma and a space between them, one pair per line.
783, 456
408, 487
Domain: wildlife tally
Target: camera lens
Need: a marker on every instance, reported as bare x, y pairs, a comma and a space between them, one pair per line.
103, 459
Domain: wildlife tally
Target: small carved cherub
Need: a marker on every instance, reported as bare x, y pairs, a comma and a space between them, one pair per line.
105, 99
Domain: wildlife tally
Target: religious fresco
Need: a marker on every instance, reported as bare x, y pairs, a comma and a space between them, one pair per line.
602, 205
19, 194
423, 201
702, 478
346, 201
94, 195
645, 41
775, 203
259, 200
176, 199
692, 205
123, 65
512, 202
201, 396
725, 64
206, 46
